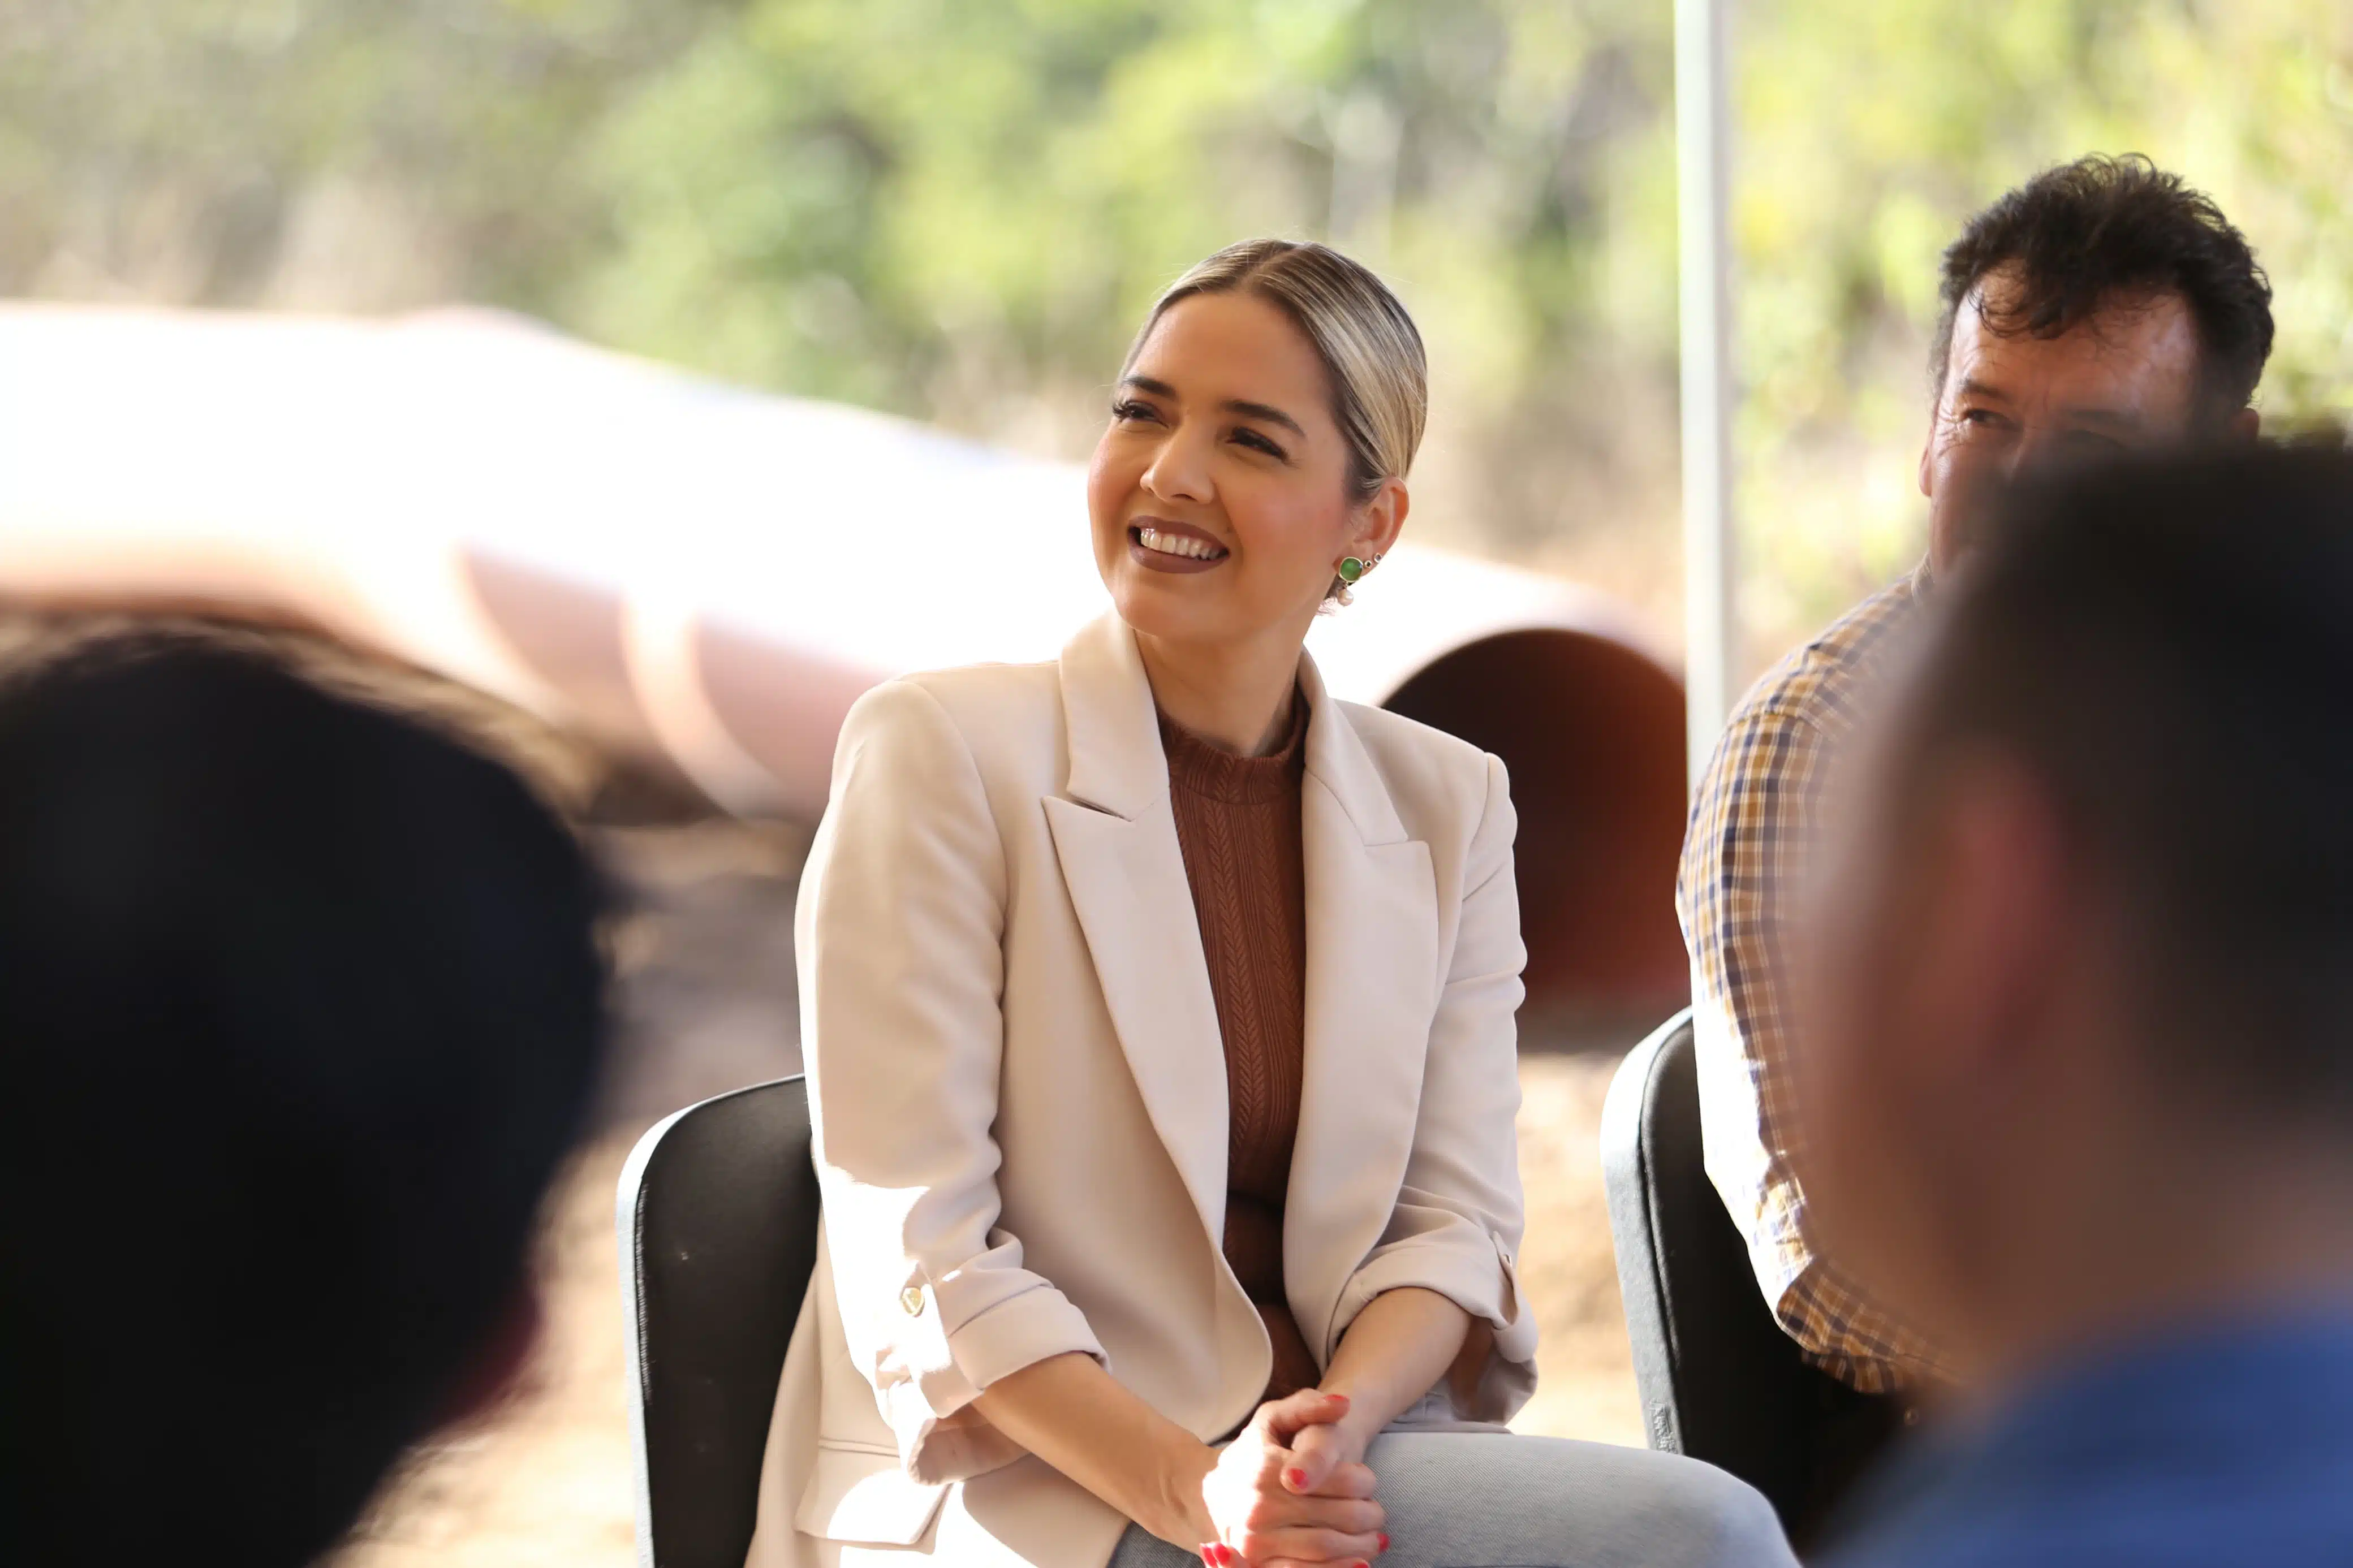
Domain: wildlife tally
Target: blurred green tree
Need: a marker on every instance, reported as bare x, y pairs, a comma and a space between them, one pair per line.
957, 209
960, 209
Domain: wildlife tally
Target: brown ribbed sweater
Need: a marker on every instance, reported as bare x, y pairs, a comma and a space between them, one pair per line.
1237, 823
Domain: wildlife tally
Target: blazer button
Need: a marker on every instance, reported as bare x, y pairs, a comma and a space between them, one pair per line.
912, 1298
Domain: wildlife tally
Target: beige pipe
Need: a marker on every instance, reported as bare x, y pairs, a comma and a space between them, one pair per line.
708, 578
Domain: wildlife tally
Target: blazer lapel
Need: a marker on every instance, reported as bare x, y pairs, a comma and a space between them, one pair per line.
1372, 989
1116, 842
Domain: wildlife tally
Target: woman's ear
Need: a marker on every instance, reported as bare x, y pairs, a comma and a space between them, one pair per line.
1381, 520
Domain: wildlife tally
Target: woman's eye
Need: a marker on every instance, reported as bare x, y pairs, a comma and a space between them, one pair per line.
1257, 442
1127, 409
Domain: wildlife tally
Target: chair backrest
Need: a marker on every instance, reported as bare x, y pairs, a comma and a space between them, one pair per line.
718, 1231
1719, 1379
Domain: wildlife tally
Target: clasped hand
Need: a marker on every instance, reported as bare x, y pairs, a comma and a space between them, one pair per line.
1293, 1488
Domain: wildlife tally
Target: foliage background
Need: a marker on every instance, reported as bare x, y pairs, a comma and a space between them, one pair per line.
957, 209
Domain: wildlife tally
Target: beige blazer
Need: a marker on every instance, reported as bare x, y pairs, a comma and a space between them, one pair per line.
1020, 1094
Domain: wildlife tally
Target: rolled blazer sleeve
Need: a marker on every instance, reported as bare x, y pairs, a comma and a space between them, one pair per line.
898, 933
1460, 1214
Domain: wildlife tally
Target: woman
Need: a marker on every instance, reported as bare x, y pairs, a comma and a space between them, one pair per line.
1158, 1012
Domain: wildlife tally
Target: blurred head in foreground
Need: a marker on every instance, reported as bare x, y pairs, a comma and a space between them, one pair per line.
2103, 307
2079, 1068
299, 1003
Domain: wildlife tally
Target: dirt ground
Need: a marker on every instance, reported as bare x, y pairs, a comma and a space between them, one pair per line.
705, 962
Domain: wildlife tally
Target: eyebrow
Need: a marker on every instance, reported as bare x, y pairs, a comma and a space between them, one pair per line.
1247, 409
1972, 387
2113, 418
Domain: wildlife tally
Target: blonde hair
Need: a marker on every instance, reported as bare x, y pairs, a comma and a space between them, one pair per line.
1371, 353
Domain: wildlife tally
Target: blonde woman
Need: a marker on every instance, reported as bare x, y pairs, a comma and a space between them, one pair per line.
1158, 1014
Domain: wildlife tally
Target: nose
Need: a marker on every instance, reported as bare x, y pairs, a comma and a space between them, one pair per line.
2025, 454
2038, 450
1179, 470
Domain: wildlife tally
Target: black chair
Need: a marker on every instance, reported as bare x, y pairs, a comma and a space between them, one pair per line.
717, 1227
1719, 1379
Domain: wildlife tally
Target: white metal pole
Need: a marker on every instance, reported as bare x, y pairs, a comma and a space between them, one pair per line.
1703, 146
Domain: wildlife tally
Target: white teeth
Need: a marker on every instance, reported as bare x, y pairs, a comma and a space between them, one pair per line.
1177, 544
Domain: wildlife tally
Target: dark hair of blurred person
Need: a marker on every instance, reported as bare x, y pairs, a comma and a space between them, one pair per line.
300, 1005
2076, 1086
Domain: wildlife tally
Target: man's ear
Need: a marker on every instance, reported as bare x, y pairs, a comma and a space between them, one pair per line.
1928, 447
2243, 427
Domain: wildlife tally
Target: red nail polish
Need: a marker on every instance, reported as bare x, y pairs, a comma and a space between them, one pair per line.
1296, 1480
1384, 1540
1339, 1399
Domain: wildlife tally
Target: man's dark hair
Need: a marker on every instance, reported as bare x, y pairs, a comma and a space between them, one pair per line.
2167, 646
2088, 234
301, 1003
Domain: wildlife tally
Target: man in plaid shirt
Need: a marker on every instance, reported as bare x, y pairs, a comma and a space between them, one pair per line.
2101, 306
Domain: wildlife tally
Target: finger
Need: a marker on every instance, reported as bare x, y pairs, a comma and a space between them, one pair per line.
1349, 1516
1349, 1480
1313, 1458
1283, 1418
1324, 1562
1344, 1516
1317, 1546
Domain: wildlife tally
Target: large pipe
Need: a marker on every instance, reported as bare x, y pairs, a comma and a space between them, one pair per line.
707, 578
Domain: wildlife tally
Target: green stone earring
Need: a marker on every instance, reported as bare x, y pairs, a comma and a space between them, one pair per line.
1351, 569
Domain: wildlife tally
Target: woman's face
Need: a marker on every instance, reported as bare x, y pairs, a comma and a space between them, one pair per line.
1219, 493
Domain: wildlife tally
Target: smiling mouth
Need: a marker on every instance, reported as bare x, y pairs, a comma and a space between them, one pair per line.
1162, 543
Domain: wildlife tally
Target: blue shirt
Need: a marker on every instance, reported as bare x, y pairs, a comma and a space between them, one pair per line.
2228, 1446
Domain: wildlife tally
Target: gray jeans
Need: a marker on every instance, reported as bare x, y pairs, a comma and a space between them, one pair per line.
1490, 1499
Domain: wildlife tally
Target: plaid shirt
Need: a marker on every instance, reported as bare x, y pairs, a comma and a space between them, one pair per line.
1751, 823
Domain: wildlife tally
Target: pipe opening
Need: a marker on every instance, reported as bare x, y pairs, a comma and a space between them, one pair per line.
1592, 732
